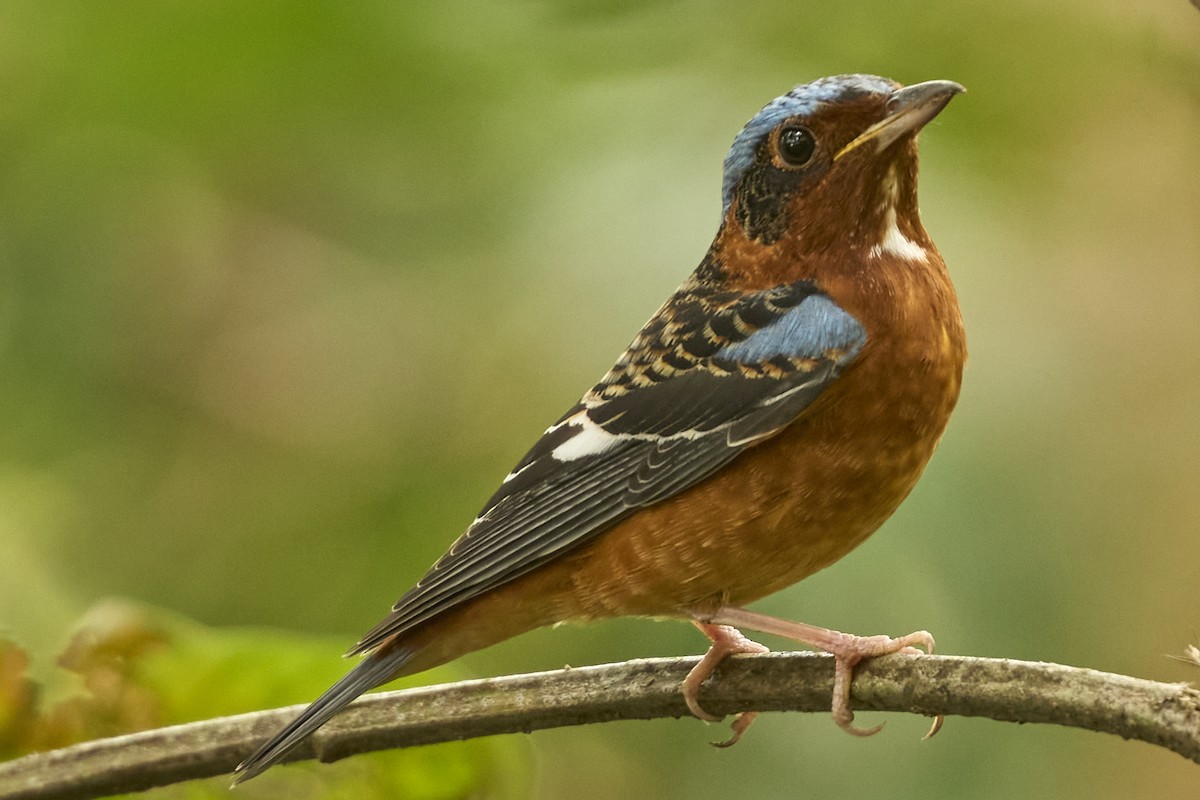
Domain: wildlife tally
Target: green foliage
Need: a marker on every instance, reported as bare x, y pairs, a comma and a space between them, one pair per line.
134, 668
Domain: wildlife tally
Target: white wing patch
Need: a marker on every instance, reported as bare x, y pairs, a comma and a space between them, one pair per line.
590, 440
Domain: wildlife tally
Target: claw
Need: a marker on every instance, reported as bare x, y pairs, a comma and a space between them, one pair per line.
935, 727
740, 723
726, 641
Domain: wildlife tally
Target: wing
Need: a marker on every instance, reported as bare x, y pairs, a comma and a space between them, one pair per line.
710, 375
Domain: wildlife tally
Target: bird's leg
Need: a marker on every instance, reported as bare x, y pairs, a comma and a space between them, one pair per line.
846, 649
726, 641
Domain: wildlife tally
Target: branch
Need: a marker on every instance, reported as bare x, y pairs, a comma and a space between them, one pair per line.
1015, 691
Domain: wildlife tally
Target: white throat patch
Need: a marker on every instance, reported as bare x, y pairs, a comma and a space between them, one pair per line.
892, 241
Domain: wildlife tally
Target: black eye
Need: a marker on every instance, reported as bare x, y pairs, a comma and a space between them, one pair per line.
796, 146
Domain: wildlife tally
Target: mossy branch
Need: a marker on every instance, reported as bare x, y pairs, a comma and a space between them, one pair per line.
1015, 691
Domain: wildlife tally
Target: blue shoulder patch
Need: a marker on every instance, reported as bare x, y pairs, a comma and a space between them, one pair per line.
799, 102
809, 330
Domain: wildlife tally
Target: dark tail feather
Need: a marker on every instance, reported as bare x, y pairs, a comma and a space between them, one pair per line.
372, 671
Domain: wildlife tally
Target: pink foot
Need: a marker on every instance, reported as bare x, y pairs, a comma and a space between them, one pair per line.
846, 649
726, 641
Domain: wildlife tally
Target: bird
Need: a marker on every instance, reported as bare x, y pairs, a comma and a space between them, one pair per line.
767, 419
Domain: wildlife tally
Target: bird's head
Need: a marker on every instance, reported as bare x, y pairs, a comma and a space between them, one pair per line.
831, 167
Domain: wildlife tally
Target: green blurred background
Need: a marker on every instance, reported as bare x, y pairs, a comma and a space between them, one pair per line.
286, 288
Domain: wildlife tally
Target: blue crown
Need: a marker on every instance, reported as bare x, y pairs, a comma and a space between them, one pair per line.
801, 101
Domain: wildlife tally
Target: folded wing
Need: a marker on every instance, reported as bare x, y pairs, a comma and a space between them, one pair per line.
710, 375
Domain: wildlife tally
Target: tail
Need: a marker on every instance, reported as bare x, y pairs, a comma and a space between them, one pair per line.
374, 670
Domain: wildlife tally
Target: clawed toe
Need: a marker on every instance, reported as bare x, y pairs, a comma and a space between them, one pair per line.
694, 706
740, 723
726, 641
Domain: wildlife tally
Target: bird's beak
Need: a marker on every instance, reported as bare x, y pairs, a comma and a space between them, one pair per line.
908, 111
